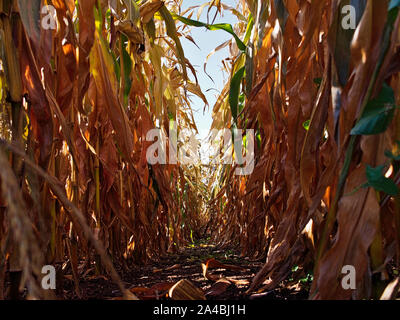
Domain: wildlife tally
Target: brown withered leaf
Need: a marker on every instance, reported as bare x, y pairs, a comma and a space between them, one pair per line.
30, 16
103, 72
391, 290
357, 218
42, 125
148, 9
85, 40
214, 264
130, 30
157, 291
186, 290
309, 163
219, 288
365, 51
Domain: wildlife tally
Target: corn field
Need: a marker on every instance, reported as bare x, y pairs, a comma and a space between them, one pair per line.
83, 82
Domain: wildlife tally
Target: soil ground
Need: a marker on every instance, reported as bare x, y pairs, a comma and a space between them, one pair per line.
186, 264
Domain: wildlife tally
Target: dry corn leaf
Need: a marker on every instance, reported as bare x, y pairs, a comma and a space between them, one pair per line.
148, 9
186, 290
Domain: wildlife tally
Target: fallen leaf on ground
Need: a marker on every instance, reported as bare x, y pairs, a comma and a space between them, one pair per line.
186, 290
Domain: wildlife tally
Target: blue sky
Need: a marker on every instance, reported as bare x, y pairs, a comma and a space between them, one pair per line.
207, 41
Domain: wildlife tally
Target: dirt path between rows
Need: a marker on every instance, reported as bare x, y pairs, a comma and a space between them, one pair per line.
159, 276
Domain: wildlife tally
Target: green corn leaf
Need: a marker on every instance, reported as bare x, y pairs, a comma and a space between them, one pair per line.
317, 81
189, 22
228, 28
377, 115
390, 155
249, 29
234, 91
219, 26
379, 182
